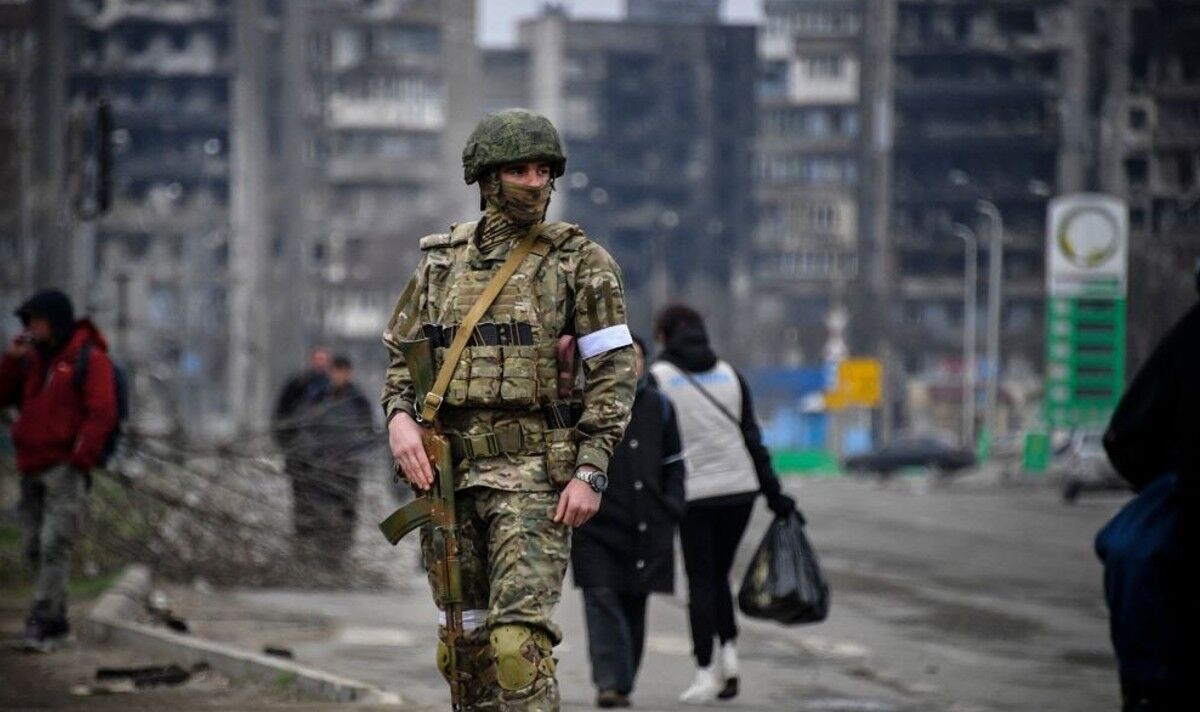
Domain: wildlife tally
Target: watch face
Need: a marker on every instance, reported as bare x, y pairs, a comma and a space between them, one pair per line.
599, 481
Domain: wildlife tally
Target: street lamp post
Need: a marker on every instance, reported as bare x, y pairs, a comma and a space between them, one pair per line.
995, 275
970, 285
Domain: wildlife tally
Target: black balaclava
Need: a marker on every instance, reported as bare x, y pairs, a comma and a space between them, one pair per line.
55, 307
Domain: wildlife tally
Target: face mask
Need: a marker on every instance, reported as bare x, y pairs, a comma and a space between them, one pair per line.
523, 205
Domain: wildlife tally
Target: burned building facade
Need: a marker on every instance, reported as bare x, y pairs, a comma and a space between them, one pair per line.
805, 263
272, 166
658, 121
1150, 155
389, 95
983, 101
157, 261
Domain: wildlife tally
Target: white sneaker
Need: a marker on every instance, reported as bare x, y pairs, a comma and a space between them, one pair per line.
704, 688
729, 670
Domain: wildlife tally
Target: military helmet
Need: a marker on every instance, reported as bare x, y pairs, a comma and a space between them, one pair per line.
512, 136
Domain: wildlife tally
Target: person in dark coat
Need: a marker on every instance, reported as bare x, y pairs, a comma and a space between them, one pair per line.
626, 551
65, 421
295, 398
337, 430
1154, 443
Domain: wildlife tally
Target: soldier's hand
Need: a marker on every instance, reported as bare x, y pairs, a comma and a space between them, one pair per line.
577, 503
404, 439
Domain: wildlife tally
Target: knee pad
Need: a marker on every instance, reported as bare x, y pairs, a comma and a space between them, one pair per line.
522, 655
443, 659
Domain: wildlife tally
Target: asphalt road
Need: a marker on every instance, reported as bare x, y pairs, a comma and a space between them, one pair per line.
970, 596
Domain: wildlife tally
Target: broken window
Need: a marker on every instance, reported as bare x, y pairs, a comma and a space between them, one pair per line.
1136, 171
1138, 119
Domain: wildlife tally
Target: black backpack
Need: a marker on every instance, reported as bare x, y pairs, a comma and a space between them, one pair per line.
120, 387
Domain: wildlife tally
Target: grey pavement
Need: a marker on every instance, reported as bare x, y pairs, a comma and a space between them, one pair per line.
968, 596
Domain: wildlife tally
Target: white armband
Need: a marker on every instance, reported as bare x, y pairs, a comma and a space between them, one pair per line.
604, 340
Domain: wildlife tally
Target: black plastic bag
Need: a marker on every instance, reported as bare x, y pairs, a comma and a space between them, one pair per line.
784, 582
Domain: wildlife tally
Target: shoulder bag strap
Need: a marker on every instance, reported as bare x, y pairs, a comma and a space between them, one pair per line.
528, 244
711, 399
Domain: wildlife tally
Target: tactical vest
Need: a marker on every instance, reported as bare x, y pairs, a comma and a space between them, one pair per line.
510, 364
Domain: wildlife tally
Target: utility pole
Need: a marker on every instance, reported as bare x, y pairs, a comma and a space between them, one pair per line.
877, 86
995, 276
970, 285
248, 236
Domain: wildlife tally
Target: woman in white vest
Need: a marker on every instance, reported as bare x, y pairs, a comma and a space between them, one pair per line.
727, 467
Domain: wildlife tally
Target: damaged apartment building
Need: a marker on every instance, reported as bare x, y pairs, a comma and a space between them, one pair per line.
1150, 155
805, 265
658, 121
272, 167
988, 103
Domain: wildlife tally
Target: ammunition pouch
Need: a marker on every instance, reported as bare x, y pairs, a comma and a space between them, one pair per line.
490, 376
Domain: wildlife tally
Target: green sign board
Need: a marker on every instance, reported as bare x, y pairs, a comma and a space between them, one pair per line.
1085, 360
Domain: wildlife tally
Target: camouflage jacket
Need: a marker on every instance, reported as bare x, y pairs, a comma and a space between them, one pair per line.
506, 386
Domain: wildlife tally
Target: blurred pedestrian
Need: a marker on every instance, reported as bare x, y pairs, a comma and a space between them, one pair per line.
58, 374
1151, 544
340, 430
626, 551
299, 392
727, 467
293, 430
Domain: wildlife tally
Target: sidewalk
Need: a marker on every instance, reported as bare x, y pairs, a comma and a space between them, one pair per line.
45, 681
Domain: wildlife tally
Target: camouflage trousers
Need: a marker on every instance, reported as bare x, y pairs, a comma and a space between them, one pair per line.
51, 511
513, 558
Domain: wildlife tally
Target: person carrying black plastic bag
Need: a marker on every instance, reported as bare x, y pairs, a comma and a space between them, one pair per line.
1153, 441
727, 468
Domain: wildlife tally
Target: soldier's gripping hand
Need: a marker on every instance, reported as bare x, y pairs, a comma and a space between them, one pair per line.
577, 504
404, 439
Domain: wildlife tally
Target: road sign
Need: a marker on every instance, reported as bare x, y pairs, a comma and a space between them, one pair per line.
1086, 256
859, 384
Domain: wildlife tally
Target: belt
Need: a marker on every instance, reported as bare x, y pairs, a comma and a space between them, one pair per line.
517, 333
504, 440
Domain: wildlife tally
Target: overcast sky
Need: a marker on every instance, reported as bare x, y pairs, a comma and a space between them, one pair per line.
497, 25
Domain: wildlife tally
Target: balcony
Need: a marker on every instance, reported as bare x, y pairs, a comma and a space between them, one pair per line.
919, 91
159, 12
991, 135
373, 169
346, 112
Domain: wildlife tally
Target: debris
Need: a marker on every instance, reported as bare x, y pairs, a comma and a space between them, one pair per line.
145, 676
278, 652
117, 687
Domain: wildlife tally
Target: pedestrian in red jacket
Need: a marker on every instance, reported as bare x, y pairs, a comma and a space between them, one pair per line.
63, 425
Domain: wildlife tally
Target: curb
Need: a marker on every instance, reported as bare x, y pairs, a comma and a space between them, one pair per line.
112, 620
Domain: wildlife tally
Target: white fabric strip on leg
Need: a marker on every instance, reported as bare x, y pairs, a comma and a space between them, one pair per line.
604, 340
472, 618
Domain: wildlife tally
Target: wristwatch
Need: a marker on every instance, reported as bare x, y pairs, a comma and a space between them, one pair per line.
595, 479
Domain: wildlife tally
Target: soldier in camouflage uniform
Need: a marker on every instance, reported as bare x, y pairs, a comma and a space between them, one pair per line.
538, 400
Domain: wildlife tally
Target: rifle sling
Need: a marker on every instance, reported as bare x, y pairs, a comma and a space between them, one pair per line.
433, 399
